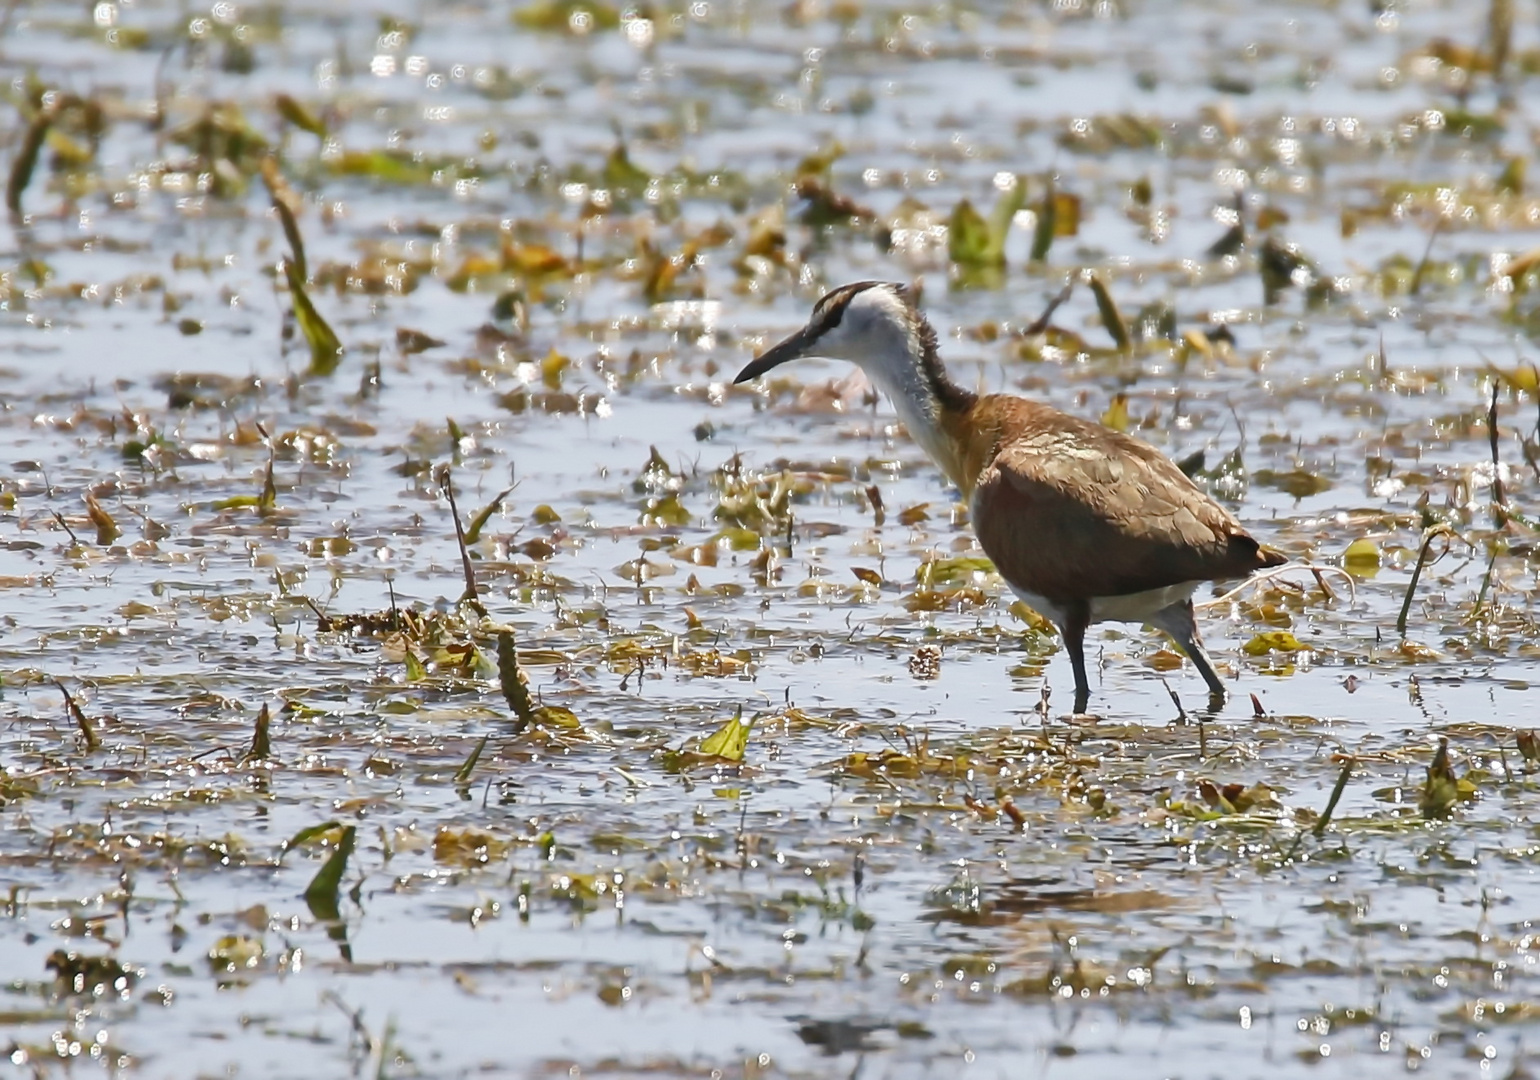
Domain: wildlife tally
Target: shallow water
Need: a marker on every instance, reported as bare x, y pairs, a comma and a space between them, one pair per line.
852, 899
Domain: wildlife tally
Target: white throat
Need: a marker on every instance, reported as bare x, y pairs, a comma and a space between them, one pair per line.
916, 405
878, 334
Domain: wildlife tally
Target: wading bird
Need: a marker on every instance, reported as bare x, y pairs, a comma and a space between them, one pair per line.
1084, 523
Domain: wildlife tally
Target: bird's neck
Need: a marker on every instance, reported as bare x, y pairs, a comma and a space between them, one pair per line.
933, 408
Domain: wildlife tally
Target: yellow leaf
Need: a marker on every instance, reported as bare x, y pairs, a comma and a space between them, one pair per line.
1197, 342
1524, 377
1235, 799
1032, 618
468, 847
1116, 416
1272, 641
415, 672
531, 259
106, 529
957, 570
473, 267
731, 739
1362, 557
235, 952
556, 716
551, 369
1416, 651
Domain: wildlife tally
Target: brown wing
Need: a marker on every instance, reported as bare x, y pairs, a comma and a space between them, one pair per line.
1068, 509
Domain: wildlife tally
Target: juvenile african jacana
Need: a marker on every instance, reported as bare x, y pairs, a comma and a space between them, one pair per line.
1084, 523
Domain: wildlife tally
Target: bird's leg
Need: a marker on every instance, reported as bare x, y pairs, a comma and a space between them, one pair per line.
1077, 617
1178, 621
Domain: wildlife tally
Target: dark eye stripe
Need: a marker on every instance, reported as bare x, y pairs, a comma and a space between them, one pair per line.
830, 308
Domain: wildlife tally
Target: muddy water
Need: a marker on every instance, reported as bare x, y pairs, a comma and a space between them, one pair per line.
852, 898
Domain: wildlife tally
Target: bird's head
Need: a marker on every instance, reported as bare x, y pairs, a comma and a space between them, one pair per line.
873, 324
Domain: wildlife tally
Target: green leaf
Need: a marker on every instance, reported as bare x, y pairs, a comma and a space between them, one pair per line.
974, 242
556, 716
511, 679
1112, 318
479, 666
967, 236
563, 15
325, 348
1441, 789
621, 175
391, 166
1047, 224
268, 500
668, 511
731, 739
1511, 180
300, 115
463, 773
820, 161
473, 533
321, 896
309, 833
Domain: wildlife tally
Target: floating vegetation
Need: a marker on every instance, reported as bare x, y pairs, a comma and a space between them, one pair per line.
405, 607
973, 241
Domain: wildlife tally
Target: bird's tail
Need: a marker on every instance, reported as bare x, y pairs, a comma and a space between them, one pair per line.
1269, 557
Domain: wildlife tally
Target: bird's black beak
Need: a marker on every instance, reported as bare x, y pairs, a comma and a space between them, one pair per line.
793, 348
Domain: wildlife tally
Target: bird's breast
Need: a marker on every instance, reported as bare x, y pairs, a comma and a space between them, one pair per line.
1138, 607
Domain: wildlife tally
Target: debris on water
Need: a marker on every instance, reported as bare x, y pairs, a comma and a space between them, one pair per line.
1442, 788
925, 664
82, 721
410, 342
261, 742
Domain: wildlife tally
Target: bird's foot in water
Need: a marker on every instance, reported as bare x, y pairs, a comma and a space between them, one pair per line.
1082, 713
